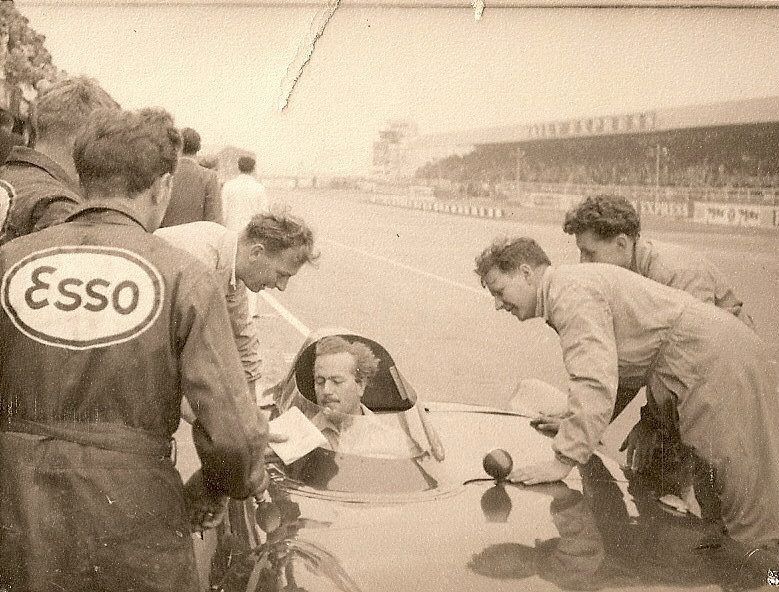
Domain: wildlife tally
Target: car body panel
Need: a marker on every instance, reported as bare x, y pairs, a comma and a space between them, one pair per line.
343, 522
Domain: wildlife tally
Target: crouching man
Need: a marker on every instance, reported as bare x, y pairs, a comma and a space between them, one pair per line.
103, 328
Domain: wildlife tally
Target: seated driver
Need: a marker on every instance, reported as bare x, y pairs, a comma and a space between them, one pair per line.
342, 370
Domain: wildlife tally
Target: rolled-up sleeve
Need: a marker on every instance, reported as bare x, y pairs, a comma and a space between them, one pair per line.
584, 323
230, 436
726, 299
244, 331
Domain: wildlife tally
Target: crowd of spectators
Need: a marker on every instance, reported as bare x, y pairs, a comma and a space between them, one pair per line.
724, 160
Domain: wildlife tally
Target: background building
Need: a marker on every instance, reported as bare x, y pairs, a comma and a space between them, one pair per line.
720, 151
393, 151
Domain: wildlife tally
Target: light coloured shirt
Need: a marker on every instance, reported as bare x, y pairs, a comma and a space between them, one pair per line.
688, 271
243, 197
366, 436
217, 246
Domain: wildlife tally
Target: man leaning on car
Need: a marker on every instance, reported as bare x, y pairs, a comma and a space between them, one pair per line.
268, 251
709, 374
608, 230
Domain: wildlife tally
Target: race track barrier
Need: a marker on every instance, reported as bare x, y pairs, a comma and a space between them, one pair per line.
550, 201
665, 209
714, 213
437, 207
725, 214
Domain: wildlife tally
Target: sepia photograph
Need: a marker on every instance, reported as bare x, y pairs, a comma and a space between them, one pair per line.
380, 295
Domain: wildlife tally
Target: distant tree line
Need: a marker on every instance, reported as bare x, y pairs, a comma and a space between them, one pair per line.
22, 50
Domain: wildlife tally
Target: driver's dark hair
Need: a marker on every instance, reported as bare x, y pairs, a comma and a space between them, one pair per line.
606, 215
506, 255
366, 364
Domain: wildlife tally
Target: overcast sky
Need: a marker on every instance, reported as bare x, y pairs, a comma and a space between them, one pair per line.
219, 68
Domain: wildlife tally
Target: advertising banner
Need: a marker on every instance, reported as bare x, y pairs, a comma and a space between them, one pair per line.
553, 201
665, 209
734, 214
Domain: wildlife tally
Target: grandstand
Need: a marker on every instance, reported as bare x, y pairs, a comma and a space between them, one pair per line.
721, 153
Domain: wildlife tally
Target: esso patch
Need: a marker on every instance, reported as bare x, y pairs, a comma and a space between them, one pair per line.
82, 297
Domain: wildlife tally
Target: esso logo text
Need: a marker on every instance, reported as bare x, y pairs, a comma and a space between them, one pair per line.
82, 297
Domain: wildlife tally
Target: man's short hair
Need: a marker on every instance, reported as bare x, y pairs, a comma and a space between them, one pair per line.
125, 151
278, 230
246, 164
64, 107
190, 141
366, 364
508, 254
605, 215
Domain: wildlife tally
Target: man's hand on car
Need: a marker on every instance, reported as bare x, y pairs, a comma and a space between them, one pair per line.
204, 510
548, 425
546, 472
643, 442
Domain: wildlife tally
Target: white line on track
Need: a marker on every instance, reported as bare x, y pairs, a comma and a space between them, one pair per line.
305, 331
409, 268
286, 315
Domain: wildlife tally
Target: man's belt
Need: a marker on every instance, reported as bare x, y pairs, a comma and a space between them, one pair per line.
106, 436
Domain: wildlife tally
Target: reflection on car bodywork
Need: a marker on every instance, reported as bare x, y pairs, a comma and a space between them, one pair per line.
347, 522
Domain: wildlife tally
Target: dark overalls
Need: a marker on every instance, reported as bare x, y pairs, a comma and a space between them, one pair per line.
103, 328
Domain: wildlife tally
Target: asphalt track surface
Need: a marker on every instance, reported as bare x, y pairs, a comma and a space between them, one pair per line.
405, 279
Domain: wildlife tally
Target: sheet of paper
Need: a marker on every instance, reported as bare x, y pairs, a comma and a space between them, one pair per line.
302, 435
533, 397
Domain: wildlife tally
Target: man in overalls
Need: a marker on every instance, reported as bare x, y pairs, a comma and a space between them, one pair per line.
104, 328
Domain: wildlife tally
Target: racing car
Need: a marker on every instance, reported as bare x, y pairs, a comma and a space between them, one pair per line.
432, 519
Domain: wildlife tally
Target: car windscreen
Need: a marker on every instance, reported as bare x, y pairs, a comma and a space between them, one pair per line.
373, 455
356, 478
393, 435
